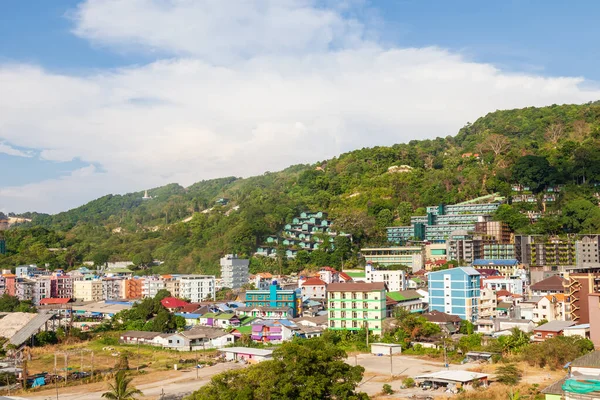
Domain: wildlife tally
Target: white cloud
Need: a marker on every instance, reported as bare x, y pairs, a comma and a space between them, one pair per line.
290, 83
5, 148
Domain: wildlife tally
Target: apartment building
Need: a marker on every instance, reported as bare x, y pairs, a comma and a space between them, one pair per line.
487, 303
234, 271
455, 291
133, 288
552, 285
173, 285
112, 288
395, 281
506, 268
63, 287
42, 289
197, 288
275, 298
88, 290
513, 285
410, 256
357, 305
577, 289
151, 285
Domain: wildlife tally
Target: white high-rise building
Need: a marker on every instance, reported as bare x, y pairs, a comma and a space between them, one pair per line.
234, 271
197, 288
394, 280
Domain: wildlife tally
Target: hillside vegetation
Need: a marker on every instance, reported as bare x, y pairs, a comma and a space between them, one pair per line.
537, 147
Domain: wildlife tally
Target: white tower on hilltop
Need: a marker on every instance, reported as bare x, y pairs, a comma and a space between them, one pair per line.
146, 197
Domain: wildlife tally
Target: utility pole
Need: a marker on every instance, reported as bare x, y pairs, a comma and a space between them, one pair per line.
138, 355
391, 365
55, 377
66, 368
367, 329
196, 364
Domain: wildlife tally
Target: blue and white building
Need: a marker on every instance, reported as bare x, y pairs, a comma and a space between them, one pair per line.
455, 291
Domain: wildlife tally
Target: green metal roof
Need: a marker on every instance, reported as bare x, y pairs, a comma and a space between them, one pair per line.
404, 295
356, 274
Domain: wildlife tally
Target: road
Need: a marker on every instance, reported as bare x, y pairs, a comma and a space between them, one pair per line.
182, 384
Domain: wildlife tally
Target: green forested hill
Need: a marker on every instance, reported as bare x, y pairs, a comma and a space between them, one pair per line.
556, 145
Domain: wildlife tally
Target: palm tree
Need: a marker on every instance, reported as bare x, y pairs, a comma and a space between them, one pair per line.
121, 390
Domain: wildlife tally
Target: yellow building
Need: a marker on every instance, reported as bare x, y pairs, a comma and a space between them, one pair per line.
87, 290
353, 306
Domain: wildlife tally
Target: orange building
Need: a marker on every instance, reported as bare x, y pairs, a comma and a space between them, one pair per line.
10, 284
133, 288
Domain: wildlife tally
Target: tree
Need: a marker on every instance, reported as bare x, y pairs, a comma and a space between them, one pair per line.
496, 143
384, 218
554, 132
300, 369
46, 337
534, 172
8, 303
508, 374
387, 389
123, 362
122, 388
405, 210
466, 327
100, 258
513, 218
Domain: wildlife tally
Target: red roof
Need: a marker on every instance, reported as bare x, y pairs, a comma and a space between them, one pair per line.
503, 292
314, 282
173, 302
345, 277
189, 307
52, 300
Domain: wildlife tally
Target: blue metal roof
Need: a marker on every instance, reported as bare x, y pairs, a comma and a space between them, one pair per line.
481, 263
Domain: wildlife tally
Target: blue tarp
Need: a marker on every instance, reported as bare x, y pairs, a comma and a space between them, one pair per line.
41, 381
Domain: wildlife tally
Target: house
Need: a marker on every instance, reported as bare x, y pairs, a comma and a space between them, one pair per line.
357, 305
455, 291
139, 337
448, 322
272, 331
581, 330
409, 300
318, 321
581, 383
550, 330
197, 338
452, 379
552, 285
173, 303
247, 354
314, 288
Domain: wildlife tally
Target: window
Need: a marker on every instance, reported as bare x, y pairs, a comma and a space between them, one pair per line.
331, 314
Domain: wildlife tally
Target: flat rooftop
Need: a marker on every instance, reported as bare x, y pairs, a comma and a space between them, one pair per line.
248, 350
101, 307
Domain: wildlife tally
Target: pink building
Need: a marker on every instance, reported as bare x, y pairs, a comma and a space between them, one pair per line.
594, 313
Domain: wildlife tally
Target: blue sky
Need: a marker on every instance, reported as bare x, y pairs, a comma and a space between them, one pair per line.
78, 69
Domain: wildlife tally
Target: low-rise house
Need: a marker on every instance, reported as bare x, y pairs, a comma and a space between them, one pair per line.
409, 300
453, 379
139, 337
173, 304
552, 285
314, 288
197, 338
320, 320
447, 322
581, 383
220, 320
273, 331
247, 354
581, 330
550, 330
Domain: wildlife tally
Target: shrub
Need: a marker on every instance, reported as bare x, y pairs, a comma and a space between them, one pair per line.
508, 374
408, 382
387, 389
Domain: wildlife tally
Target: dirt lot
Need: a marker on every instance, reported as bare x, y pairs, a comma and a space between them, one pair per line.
151, 384
377, 373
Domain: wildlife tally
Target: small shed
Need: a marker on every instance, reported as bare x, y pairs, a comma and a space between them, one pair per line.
479, 356
451, 379
385, 349
247, 354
